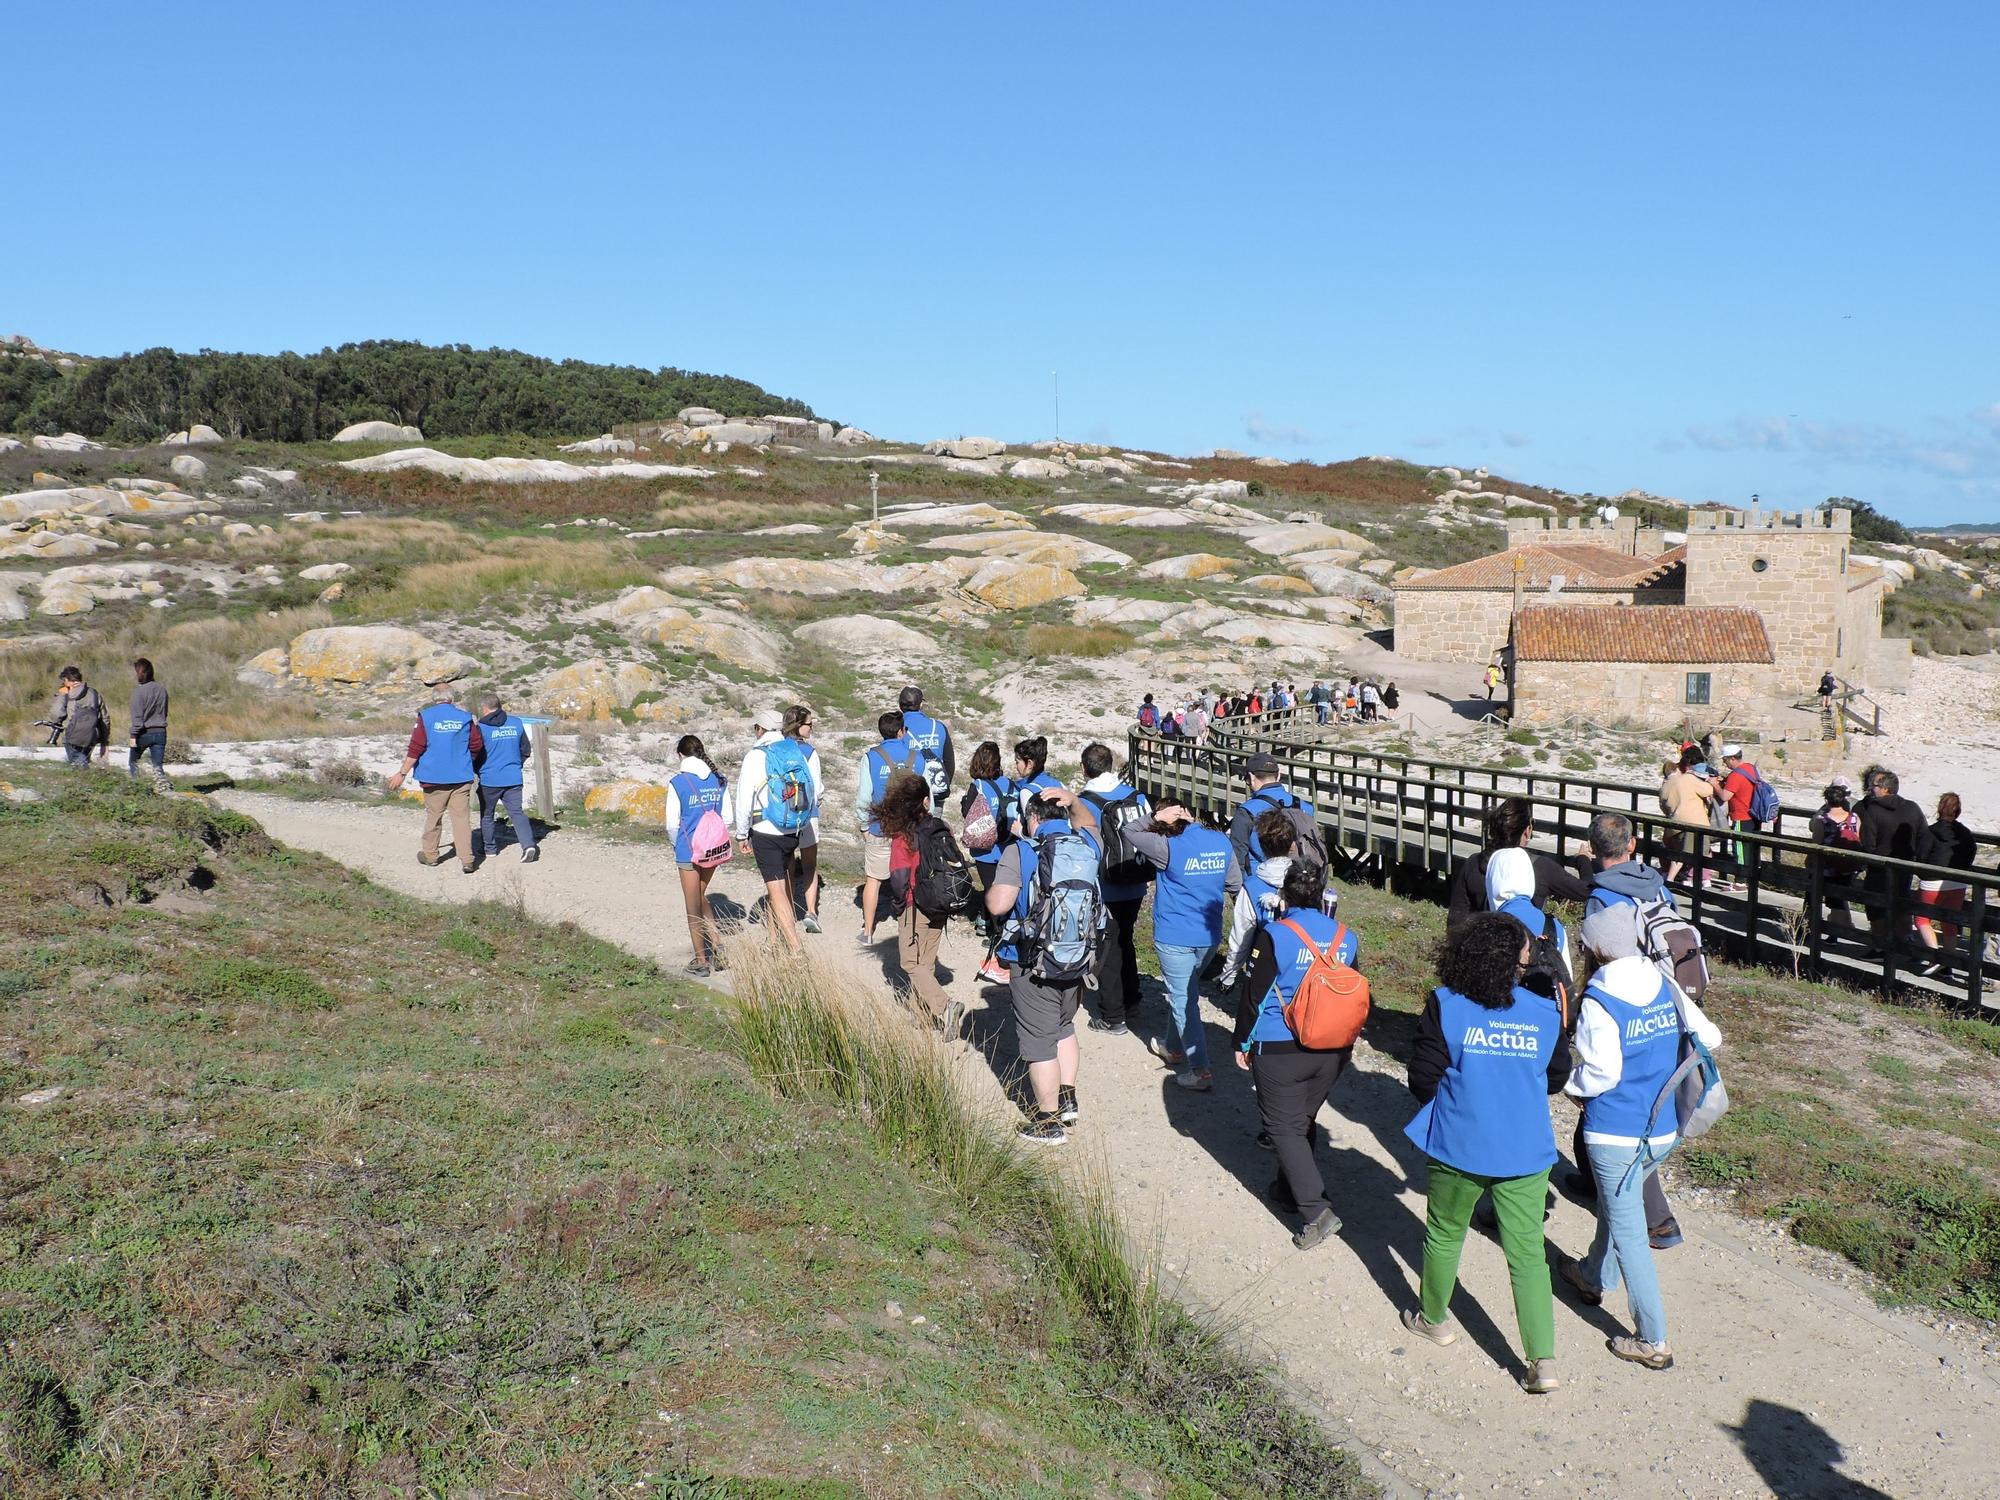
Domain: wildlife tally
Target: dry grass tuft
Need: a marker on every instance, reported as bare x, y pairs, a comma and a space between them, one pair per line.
512, 568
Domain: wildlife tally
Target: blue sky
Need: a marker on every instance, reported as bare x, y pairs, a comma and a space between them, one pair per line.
1705, 250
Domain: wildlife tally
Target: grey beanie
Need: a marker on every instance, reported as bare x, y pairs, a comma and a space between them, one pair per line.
1612, 931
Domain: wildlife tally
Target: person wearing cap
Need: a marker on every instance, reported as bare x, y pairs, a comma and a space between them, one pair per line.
1739, 785
1627, 1043
930, 736
783, 840
445, 750
1267, 793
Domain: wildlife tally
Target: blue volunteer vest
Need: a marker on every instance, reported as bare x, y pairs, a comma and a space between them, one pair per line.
1650, 1035
1271, 799
1024, 793
1538, 922
447, 757
881, 766
921, 730
1188, 898
1293, 960
698, 794
1490, 1116
502, 765
999, 795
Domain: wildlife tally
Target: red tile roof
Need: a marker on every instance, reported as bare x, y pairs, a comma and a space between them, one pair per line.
1582, 565
1698, 634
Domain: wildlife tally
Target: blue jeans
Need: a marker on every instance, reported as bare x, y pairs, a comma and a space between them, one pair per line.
1181, 968
152, 743
491, 799
1621, 1243
77, 759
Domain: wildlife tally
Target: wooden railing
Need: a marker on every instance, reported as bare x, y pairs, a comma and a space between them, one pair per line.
1408, 815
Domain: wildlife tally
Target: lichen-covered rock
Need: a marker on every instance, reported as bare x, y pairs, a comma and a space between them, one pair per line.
266, 668
1031, 546
66, 599
595, 690
1278, 583
639, 801
869, 638
967, 447
1005, 584
1189, 565
374, 655
187, 466
713, 634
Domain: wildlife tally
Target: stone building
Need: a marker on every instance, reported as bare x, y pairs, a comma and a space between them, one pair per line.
1734, 618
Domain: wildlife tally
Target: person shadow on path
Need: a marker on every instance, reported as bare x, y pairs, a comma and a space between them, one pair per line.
1377, 1227
1794, 1455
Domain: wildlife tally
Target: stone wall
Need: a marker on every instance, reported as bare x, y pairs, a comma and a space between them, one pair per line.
1790, 568
1654, 695
1453, 624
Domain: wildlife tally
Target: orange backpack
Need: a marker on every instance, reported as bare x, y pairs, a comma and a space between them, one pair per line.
1331, 1001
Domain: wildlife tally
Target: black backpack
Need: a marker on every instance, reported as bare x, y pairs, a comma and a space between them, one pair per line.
1120, 863
944, 885
1548, 971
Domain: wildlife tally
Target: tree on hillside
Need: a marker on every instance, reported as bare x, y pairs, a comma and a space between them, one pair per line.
1869, 524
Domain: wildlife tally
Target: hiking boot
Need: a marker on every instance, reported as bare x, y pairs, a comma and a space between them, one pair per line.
1043, 1130
1639, 1352
1664, 1236
1198, 1079
993, 971
717, 962
1066, 1103
698, 970
1317, 1233
529, 856
1571, 1271
471, 869
1111, 1028
809, 923
1264, 1141
1540, 1378
1166, 1054
952, 1022
1438, 1333
430, 861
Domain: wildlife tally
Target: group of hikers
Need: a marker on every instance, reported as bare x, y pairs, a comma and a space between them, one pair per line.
1360, 700
80, 721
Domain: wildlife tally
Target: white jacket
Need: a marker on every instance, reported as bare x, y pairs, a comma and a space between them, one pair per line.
1600, 1043
750, 796
696, 768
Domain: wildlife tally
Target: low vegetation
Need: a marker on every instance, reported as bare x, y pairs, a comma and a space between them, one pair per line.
1942, 615
343, 1194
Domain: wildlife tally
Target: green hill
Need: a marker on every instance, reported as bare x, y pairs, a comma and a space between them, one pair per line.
449, 391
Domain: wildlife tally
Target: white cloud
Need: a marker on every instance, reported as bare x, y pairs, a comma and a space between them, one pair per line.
1258, 430
1962, 450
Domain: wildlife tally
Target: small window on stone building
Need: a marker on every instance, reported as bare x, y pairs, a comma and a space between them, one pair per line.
1697, 688
1840, 642
1843, 562
1760, 565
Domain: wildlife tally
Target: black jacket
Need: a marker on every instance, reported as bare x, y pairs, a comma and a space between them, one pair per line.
1893, 826
1430, 1056
1554, 881
1948, 844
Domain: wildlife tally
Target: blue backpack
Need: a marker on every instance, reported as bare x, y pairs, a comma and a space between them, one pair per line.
788, 788
1065, 912
1764, 805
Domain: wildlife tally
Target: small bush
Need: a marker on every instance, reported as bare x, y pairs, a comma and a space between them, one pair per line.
256, 981
342, 775
1069, 640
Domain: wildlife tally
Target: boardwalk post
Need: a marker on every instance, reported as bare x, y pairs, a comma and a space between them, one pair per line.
545, 782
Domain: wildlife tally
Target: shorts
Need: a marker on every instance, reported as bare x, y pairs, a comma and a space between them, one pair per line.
874, 856
1043, 1015
773, 853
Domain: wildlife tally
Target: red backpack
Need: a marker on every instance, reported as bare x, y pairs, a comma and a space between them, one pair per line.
1331, 1002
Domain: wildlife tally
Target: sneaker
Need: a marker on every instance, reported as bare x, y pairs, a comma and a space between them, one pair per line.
1066, 1103
993, 971
1264, 1141
1571, 1271
1639, 1352
1540, 1378
1043, 1130
471, 869
952, 1022
717, 962
698, 970
809, 923
1664, 1236
863, 940
1930, 970
1437, 1333
1198, 1079
1166, 1054
529, 856
1111, 1028
1317, 1233
430, 860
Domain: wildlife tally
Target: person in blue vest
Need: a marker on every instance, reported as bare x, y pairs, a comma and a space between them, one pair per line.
1267, 793
1031, 774
986, 783
1487, 1055
1044, 1014
1198, 879
1628, 1032
1116, 801
1510, 888
777, 816
444, 752
930, 736
507, 747
1292, 1080
697, 788
878, 764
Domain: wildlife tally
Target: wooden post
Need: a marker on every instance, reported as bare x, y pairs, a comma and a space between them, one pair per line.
545, 782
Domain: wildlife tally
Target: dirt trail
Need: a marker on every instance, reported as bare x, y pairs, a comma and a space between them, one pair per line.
1780, 1372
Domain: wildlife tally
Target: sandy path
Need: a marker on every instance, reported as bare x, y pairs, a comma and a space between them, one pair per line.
1780, 1372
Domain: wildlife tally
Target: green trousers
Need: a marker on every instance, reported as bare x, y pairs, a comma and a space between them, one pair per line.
1517, 1203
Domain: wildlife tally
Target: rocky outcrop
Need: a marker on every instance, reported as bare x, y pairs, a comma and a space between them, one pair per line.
1037, 468
378, 432
1011, 585
700, 416
68, 442
326, 572
591, 691
852, 437
974, 513
1189, 565
639, 801
516, 470
861, 639
967, 447
94, 500
609, 443
199, 435
383, 656
187, 466
1031, 546
1278, 583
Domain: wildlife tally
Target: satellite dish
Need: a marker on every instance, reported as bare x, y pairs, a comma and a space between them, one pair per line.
1608, 513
